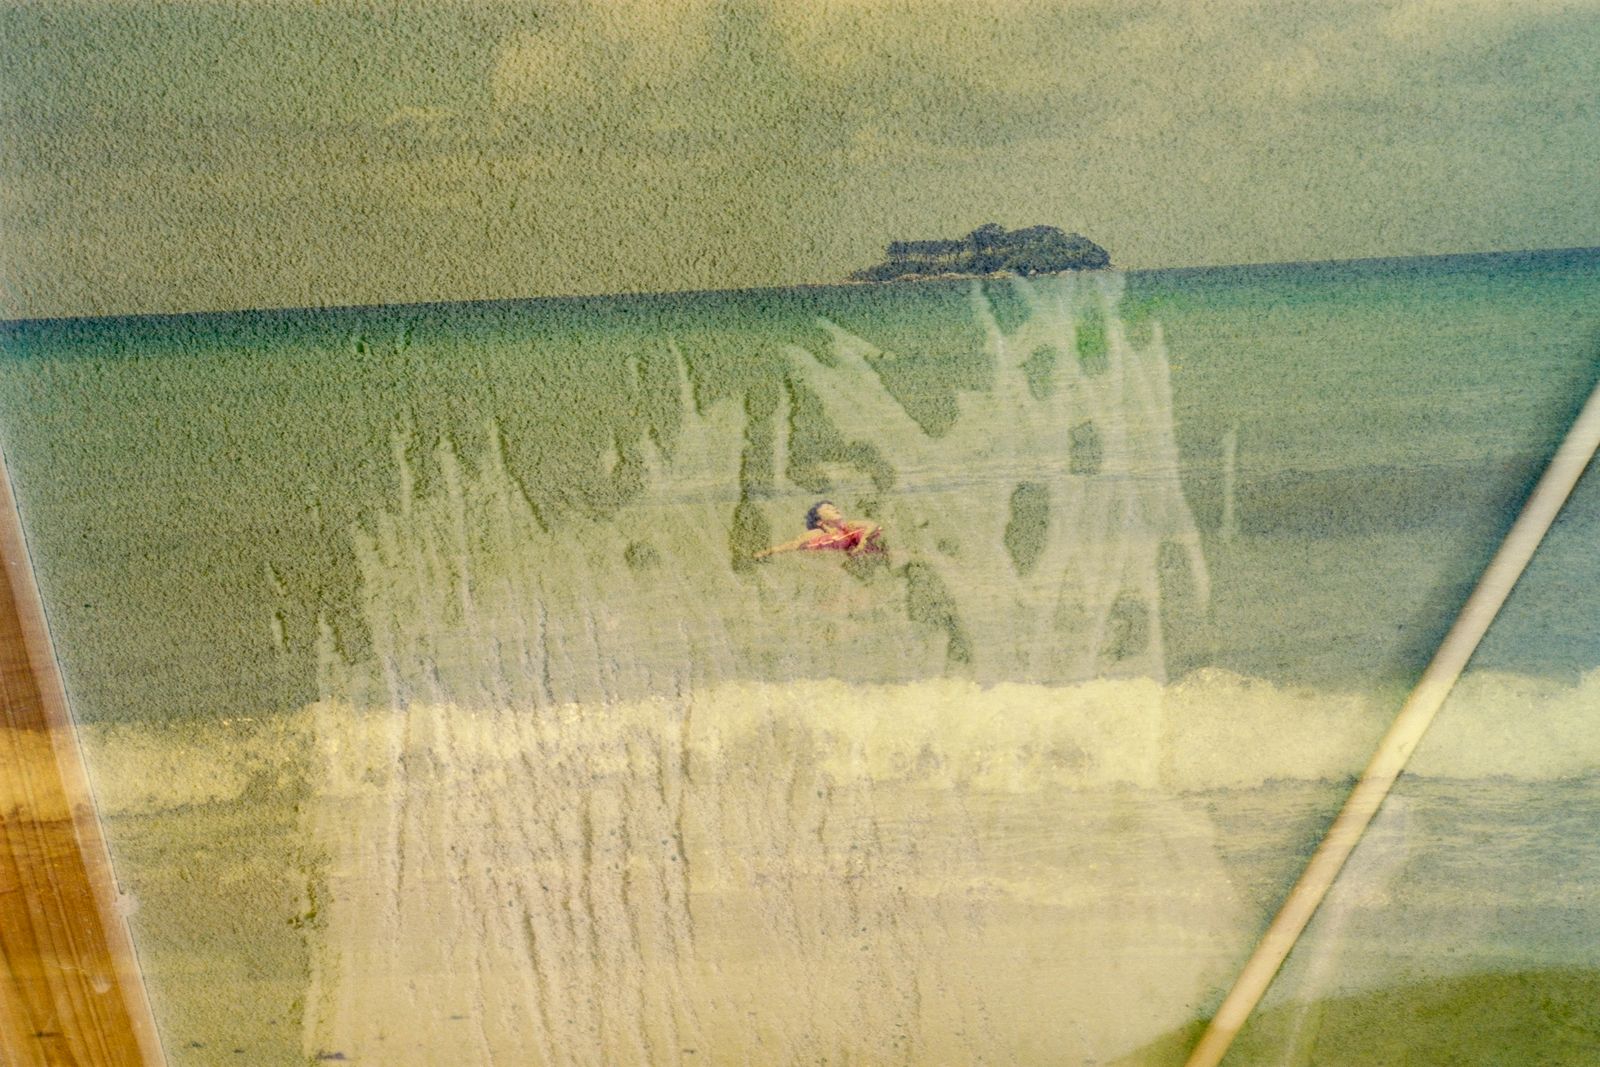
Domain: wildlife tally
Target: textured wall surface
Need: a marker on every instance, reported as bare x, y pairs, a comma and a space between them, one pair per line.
437, 707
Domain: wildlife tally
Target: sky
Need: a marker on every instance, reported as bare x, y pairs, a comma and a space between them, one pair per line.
190, 156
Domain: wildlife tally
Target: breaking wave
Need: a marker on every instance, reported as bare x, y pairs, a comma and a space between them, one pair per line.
1211, 730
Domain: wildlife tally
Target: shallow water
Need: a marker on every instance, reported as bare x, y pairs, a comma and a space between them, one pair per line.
459, 600
863, 889
187, 481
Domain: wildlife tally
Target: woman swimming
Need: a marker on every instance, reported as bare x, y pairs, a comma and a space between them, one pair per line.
829, 531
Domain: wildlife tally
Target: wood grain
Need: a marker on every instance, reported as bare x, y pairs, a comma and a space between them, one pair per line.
70, 991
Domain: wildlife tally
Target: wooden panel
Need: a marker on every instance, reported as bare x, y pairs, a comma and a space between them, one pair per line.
69, 984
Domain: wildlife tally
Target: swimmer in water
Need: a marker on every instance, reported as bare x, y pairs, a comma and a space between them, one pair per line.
829, 531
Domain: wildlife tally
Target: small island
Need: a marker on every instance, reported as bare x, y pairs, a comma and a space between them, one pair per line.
988, 250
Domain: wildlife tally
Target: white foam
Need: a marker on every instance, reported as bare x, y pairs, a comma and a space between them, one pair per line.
1499, 724
844, 872
612, 880
141, 769
1211, 730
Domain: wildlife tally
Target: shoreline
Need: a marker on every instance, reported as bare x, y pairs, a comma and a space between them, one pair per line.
190, 931
1481, 1019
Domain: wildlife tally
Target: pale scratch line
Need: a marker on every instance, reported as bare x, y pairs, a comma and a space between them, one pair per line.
1568, 465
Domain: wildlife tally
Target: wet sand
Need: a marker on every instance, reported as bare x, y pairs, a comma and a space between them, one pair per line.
777, 893
1544, 1017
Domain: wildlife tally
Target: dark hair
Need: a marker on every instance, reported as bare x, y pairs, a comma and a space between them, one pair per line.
812, 522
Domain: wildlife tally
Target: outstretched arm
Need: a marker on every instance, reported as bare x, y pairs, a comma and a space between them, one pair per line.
787, 546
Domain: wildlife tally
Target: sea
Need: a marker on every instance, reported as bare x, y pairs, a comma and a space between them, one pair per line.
439, 710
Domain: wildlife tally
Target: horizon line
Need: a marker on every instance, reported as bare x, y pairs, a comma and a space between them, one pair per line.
289, 309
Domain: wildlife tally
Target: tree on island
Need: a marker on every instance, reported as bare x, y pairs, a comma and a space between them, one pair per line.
989, 249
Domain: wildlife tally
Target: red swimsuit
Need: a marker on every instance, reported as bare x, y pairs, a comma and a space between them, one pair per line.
845, 539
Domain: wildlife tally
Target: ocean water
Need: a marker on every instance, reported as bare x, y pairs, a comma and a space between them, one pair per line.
189, 480
455, 605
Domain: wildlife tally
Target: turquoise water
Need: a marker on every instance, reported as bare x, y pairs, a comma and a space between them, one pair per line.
186, 481
430, 638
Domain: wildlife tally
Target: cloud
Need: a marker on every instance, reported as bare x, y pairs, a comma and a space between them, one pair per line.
473, 135
1427, 21
657, 45
551, 66
582, 54
419, 126
413, 115
998, 47
1288, 78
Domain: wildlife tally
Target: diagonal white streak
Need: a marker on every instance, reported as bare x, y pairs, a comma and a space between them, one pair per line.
1566, 467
